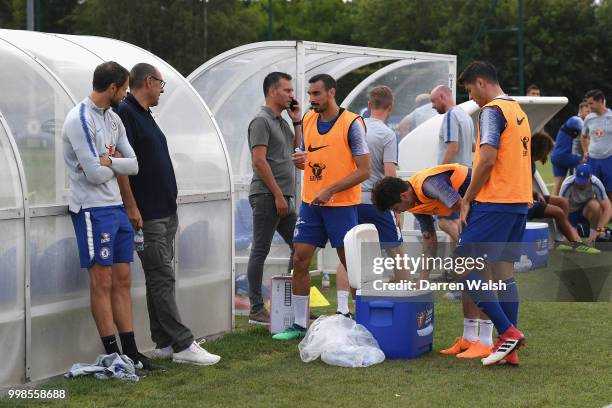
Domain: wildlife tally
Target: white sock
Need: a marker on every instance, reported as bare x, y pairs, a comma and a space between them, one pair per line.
300, 310
470, 329
486, 332
343, 296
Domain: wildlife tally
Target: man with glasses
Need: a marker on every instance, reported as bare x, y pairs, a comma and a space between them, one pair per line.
150, 200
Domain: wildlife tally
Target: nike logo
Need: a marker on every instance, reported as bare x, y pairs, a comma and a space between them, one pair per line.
314, 149
520, 121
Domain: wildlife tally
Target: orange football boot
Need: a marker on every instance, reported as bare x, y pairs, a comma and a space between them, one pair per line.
460, 345
476, 350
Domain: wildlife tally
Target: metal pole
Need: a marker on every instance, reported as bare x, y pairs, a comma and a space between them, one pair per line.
269, 20
521, 56
30, 15
205, 30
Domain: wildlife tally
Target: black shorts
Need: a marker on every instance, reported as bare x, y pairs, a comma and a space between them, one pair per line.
538, 208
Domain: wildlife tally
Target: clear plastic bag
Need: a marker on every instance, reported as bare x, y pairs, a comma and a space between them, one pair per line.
339, 341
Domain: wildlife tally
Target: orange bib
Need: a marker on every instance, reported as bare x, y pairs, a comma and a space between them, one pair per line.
510, 180
329, 159
430, 206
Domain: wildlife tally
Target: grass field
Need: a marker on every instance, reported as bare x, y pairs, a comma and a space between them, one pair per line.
566, 363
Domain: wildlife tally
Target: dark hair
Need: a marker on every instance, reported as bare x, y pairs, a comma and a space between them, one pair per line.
328, 81
139, 74
272, 80
478, 69
381, 97
583, 104
386, 192
596, 94
109, 73
532, 87
541, 146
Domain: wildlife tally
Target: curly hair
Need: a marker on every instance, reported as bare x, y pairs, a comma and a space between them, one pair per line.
541, 146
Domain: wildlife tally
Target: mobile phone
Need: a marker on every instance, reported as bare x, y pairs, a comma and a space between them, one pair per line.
293, 104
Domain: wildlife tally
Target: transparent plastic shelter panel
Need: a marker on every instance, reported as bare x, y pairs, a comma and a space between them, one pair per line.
216, 81
12, 255
238, 109
10, 188
35, 105
203, 254
63, 331
236, 99
406, 82
12, 303
197, 154
72, 63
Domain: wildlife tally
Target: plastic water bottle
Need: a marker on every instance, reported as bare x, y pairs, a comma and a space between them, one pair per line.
139, 240
325, 282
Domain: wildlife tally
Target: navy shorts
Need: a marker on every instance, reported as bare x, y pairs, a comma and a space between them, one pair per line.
316, 224
602, 169
564, 163
104, 236
495, 234
577, 217
389, 232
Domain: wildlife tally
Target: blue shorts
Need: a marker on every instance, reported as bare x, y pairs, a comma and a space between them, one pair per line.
496, 234
316, 224
577, 217
389, 232
564, 163
602, 169
104, 236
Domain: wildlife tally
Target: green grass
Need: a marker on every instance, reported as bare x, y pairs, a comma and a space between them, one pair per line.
565, 364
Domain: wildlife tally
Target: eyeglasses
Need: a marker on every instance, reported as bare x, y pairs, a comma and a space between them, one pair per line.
162, 83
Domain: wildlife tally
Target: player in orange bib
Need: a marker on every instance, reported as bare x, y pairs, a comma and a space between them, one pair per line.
437, 191
334, 157
495, 205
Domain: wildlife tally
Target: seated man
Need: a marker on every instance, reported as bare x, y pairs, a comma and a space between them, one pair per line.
588, 203
438, 190
553, 206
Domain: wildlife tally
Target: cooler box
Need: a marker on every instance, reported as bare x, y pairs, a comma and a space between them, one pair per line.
535, 244
281, 311
403, 325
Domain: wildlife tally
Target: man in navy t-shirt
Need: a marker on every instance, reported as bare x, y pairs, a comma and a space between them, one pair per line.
150, 200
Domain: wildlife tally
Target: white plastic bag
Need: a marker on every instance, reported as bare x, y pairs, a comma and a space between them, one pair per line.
339, 341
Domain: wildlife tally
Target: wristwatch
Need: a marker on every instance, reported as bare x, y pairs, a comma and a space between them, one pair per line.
601, 229
297, 123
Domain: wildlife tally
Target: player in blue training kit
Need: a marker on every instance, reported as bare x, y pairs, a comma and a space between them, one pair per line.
91, 136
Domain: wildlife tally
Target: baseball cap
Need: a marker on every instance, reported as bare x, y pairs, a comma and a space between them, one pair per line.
583, 174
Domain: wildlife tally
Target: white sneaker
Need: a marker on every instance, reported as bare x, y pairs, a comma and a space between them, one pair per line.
163, 353
195, 354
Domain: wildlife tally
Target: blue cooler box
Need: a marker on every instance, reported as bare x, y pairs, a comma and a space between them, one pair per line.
535, 244
402, 325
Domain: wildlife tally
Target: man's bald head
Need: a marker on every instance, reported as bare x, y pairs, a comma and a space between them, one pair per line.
442, 98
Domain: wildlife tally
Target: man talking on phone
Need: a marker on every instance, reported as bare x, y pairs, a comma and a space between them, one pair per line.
272, 190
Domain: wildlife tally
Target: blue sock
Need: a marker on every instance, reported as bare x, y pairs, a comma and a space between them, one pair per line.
509, 300
487, 302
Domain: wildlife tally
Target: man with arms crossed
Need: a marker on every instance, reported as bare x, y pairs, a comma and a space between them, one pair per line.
335, 160
91, 136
